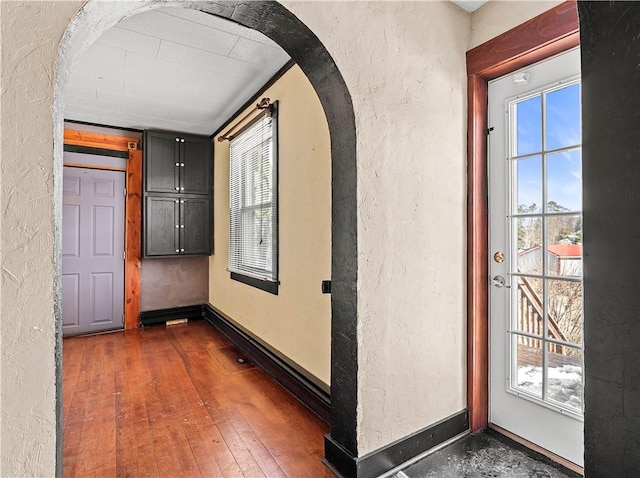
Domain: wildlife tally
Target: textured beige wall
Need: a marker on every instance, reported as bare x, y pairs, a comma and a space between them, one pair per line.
30, 33
497, 16
404, 64
297, 321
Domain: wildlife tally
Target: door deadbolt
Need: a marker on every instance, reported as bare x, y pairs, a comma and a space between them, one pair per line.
498, 257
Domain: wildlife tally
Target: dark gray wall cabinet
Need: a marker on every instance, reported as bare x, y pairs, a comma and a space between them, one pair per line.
177, 187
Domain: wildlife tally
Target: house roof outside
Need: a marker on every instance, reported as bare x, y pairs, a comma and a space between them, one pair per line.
564, 251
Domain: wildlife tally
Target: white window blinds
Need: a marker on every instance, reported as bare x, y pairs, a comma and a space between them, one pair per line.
253, 202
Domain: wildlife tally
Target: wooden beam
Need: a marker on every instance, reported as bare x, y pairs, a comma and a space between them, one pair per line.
548, 34
102, 141
133, 229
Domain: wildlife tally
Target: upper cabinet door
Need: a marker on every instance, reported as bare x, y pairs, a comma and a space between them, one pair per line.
161, 162
161, 226
195, 165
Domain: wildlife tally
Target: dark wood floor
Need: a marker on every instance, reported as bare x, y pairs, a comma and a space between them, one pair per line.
173, 401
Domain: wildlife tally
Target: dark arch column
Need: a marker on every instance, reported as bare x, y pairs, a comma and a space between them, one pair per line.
279, 24
609, 34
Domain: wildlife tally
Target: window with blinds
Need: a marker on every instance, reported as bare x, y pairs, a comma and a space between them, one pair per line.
253, 233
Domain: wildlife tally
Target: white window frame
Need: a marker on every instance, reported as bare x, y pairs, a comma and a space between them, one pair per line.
249, 262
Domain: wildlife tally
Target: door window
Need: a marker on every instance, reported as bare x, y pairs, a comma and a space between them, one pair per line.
535, 240
546, 215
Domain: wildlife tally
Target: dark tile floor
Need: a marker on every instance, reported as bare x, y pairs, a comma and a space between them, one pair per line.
485, 455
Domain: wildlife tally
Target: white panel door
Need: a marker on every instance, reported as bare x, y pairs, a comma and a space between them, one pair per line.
535, 256
92, 250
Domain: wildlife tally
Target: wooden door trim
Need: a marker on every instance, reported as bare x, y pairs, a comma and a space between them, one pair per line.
99, 141
133, 240
133, 212
548, 34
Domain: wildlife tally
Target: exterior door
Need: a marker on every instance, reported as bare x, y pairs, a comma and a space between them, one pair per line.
535, 240
92, 250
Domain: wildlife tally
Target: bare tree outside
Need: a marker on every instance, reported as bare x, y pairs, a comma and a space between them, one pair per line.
564, 297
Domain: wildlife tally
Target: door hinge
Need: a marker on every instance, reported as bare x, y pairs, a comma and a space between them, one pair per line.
124, 255
124, 192
122, 319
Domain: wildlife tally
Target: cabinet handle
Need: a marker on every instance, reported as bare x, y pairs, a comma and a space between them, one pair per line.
177, 164
181, 250
177, 141
182, 140
182, 189
182, 165
181, 226
181, 201
177, 188
176, 201
177, 226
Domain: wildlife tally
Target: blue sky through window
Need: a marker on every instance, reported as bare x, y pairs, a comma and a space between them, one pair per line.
563, 130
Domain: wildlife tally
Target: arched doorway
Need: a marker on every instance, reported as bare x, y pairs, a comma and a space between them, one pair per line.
277, 23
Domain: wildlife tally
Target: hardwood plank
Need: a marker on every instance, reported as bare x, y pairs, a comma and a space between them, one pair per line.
106, 419
178, 399
158, 402
136, 452
88, 398
207, 446
72, 356
221, 409
228, 357
281, 423
257, 417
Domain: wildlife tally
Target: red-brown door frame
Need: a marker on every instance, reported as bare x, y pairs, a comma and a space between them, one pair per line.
546, 35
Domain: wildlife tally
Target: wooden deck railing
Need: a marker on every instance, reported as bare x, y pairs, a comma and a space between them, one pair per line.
531, 318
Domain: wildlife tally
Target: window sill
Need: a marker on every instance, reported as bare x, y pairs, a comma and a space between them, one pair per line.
265, 285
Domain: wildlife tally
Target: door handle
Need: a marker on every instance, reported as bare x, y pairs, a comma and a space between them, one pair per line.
499, 282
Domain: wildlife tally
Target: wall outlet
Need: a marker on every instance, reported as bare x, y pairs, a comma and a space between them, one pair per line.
326, 287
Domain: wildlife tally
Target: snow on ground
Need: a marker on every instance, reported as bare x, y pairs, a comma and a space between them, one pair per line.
565, 383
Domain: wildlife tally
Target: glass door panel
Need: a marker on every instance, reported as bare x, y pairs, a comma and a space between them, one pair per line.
535, 219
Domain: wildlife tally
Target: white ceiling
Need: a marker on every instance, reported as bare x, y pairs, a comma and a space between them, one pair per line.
173, 69
470, 5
